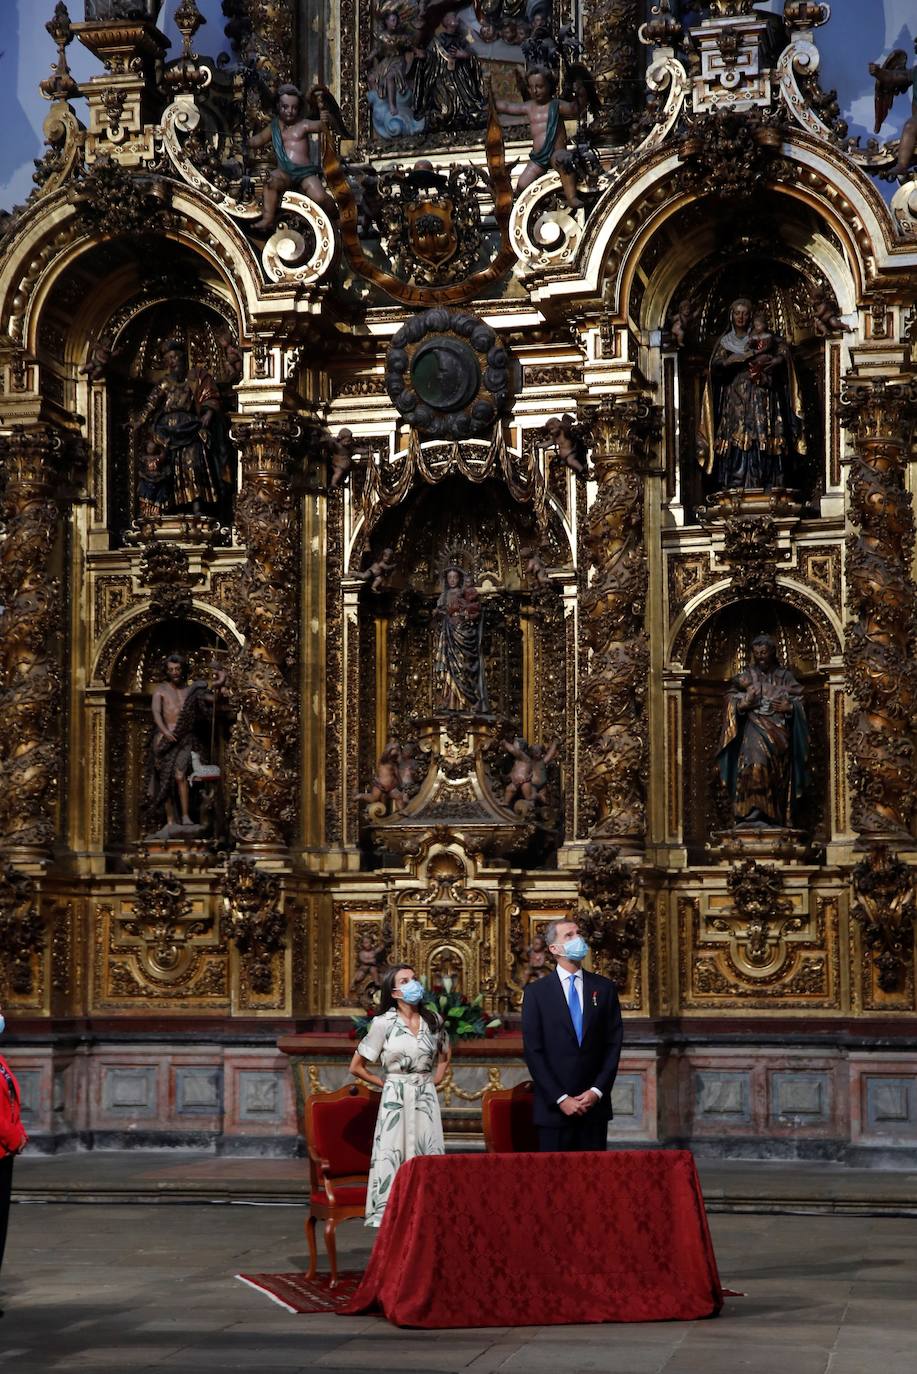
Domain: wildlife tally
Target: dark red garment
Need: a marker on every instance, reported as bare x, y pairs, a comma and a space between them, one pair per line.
542, 1239
12, 1137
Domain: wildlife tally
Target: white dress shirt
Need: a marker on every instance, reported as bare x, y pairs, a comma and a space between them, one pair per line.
566, 978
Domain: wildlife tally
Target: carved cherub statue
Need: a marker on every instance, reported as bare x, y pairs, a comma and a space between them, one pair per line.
534, 567
569, 442
379, 570
386, 785
409, 769
98, 360
289, 132
893, 77
528, 778
546, 113
538, 956
681, 323
369, 969
340, 453
825, 316
232, 356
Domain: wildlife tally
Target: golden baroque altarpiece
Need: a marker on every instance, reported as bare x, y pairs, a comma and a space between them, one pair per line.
500, 553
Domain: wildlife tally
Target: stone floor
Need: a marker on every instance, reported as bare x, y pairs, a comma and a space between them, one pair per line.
130, 1287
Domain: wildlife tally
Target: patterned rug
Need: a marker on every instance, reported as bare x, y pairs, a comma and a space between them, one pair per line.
298, 1294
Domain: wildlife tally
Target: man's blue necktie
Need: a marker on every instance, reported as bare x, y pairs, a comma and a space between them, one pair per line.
576, 1011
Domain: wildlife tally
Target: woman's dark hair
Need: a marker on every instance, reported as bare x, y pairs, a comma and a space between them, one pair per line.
388, 1000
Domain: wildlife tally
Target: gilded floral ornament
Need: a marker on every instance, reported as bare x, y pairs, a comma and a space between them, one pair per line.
253, 920
116, 202
880, 413
30, 679
885, 905
613, 696
761, 917
22, 931
609, 911
163, 921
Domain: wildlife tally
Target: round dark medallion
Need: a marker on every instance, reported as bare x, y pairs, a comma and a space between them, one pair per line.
445, 373
449, 375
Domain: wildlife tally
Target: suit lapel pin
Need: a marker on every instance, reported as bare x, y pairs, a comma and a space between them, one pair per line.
595, 998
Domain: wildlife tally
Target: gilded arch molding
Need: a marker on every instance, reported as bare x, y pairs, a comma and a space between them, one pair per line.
823, 618
635, 207
118, 635
55, 236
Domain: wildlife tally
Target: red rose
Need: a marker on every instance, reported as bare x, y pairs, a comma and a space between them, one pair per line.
352, 1034
489, 1032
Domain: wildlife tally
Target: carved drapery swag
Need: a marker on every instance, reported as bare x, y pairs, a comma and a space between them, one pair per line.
264, 738
30, 678
613, 695
879, 651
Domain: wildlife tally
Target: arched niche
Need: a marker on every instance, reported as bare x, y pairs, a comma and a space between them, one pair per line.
100, 335
778, 253
719, 649
135, 672
527, 641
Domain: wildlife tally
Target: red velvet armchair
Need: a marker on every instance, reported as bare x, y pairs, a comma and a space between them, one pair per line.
339, 1129
507, 1118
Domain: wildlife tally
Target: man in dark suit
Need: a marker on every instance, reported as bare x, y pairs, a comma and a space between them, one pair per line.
571, 1034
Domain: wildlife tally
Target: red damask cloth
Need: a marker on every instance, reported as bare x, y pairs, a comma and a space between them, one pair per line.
543, 1239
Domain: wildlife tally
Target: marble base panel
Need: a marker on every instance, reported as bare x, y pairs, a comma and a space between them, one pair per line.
724, 1100
235, 1099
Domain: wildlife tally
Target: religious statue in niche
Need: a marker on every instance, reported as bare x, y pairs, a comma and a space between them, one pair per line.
458, 667
289, 134
546, 114
185, 458
448, 81
391, 78
179, 782
764, 747
752, 414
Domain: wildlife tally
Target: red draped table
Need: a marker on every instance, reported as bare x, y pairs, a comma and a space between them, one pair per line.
484, 1240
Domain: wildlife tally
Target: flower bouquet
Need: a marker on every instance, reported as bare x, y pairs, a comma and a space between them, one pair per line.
461, 1019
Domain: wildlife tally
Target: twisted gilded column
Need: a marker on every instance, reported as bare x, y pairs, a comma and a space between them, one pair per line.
879, 651
30, 679
613, 696
614, 56
264, 740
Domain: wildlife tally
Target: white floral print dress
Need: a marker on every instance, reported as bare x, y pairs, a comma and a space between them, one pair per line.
409, 1122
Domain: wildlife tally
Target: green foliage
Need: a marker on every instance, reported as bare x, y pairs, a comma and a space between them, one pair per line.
461, 1019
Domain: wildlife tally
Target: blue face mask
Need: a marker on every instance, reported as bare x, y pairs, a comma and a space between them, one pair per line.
410, 992
2, 1023
576, 949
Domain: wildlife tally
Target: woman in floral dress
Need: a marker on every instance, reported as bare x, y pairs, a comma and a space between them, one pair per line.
407, 1040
